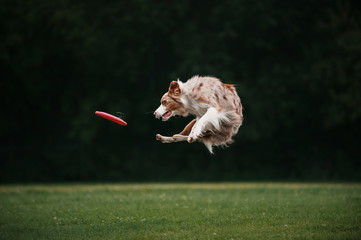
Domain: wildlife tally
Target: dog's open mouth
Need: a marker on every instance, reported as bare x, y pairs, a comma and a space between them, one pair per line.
166, 115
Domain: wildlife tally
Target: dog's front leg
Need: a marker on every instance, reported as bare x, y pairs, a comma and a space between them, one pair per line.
174, 138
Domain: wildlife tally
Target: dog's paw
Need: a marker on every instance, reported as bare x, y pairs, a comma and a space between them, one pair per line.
158, 137
190, 139
195, 134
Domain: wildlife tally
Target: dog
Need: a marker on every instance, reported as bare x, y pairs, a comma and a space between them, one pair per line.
216, 106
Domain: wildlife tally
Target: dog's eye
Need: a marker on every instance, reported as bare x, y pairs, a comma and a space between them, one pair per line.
164, 102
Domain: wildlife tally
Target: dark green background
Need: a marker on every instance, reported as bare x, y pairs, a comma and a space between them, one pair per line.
296, 65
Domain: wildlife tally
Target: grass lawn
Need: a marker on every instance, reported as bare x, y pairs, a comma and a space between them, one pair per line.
181, 211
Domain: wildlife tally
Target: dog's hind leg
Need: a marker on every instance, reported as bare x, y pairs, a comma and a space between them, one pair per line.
182, 136
187, 130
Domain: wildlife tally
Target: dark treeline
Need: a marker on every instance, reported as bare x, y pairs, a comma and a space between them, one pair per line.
296, 65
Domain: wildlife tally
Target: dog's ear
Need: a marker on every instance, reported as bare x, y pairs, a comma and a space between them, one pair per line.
174, 88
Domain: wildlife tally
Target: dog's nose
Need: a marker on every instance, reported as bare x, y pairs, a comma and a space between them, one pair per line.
156, 114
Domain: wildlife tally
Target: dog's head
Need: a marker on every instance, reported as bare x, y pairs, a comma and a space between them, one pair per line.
171, 103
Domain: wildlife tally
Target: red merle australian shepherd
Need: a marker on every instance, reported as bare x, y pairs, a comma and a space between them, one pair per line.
216, 106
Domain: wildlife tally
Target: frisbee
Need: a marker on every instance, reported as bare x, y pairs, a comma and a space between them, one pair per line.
111, 118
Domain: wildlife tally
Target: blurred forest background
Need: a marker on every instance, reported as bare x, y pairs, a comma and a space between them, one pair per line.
296, 65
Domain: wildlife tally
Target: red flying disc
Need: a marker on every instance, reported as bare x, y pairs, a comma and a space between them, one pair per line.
111, 118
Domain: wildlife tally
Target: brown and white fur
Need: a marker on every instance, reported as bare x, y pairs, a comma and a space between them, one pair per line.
216, 106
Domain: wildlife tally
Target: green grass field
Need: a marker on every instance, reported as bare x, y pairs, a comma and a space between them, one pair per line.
181, 211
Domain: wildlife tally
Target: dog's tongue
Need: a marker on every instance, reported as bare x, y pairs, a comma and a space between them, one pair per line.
167, 115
